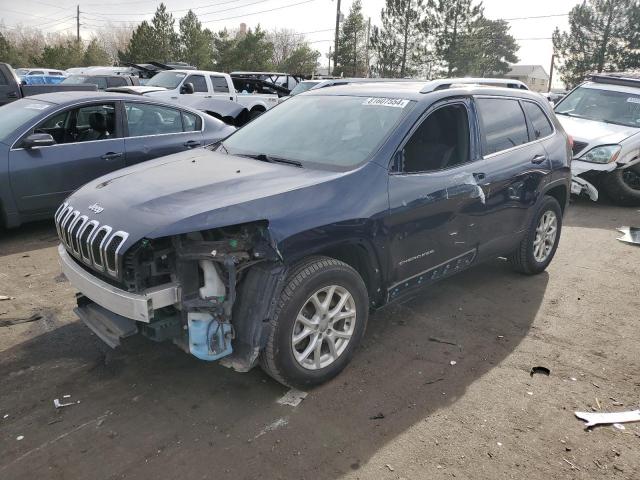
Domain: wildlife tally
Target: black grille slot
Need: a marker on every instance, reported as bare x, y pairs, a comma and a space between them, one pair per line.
95, 247
84, 240
110, 253
578, 147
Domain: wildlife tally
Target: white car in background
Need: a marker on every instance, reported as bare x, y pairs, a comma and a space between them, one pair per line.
602, 115
25, 72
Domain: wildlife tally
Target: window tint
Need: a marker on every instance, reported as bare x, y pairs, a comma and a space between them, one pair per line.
36, 72
116, 82
3, 79
191, 122
503, 124
539, 121
55, 73
90, 123
199, 83
440, 142
145, 119
219, 84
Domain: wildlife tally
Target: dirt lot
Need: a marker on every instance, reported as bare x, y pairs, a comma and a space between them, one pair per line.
154, 412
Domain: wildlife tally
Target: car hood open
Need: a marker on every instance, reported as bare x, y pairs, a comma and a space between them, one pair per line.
192, 191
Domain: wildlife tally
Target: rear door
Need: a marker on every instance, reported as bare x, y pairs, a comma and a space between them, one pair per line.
89, 144
154, 131
220, 87
516, 164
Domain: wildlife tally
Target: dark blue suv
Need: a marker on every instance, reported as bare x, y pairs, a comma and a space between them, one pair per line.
272, 246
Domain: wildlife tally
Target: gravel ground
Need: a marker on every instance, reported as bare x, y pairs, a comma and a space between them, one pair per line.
400, 410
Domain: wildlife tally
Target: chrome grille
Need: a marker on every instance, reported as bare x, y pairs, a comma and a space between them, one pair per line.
88, 241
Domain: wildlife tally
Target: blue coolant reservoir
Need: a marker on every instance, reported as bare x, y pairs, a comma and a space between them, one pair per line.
208, 338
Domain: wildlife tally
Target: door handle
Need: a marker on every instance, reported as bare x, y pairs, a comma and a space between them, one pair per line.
192, 144
111, 156
479, 176
538, 159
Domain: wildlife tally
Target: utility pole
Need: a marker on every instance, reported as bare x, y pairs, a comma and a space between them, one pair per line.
335, 46
367, 49
329, 69
553, 57
78, 24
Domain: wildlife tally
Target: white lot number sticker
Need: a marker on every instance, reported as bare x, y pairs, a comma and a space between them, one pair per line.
633, 99
37, 106
386, 102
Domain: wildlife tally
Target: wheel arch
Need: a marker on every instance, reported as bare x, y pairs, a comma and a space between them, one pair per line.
560, 192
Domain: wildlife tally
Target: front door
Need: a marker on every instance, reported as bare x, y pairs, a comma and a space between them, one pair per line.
436, 202
88, 144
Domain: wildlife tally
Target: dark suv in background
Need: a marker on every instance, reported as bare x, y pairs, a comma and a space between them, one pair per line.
271, 247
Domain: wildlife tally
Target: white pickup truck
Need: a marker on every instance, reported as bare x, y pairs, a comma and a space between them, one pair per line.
189, 87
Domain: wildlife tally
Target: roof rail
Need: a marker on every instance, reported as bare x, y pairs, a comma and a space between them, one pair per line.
627, 79
347, 81
444, 83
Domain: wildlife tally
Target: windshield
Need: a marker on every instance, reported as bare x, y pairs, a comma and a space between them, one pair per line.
74, 79
302, 87
22, 71
168, 80
621, 108
334, 132
14, 115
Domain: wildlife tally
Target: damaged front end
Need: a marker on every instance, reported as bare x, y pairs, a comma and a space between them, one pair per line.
223, 282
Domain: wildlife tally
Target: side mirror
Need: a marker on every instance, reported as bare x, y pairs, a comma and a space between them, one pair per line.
36, 140
187, 88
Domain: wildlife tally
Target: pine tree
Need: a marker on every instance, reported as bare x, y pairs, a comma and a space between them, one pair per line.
351, 58
8, 53
195, 42
253, 51
400, 42
486, 49
603, 36
224, 47
95, 54
141, 48
452, 19
165, 36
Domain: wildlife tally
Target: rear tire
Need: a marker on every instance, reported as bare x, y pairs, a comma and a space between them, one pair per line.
620, 184
310, 342
540, 242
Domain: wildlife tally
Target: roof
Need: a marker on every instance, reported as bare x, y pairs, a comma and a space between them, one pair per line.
70, 96
427, 85
257, 73
526, 70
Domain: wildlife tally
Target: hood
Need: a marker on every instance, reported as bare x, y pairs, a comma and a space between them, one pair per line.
595, 133
137, 90
191, 191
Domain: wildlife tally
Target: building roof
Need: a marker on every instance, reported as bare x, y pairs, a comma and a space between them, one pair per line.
526, 71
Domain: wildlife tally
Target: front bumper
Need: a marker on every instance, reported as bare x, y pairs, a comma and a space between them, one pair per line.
136, 306
580, 166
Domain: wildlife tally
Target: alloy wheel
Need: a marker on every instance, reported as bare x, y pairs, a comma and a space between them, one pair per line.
546, 233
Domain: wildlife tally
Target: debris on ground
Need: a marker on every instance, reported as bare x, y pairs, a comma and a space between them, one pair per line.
5, 416
389, 467
377, 416
540, 370
593, 419
619, 426
452, 362
4, 297
439, 340
573, 466
630, 235
17, 321
292, 398
58, 404
19, 437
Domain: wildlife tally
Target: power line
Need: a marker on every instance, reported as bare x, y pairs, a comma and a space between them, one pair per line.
185, 9
263, 11
533, 17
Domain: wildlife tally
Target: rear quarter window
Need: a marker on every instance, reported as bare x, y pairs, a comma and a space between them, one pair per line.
502, 124
539, 121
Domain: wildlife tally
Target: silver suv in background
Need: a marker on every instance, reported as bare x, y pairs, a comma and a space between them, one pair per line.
603, 117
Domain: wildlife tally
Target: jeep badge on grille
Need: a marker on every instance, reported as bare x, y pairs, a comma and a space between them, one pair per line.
95, 208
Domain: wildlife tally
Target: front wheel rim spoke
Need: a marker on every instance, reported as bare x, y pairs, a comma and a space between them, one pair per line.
317, 353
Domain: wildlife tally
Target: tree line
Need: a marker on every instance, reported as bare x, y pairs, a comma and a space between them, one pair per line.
415, 38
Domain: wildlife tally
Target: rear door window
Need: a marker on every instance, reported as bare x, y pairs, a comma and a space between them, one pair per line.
219, 84
502, 123
191, 122
539, 121
199, 83
145, 119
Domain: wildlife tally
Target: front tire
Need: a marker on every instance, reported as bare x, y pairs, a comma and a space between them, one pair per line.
540, 242
623, 186
319, 321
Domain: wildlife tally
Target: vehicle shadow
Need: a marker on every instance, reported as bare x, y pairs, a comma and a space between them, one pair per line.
155, 412
38, 235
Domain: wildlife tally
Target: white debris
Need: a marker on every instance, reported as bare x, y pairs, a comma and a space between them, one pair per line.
19, 437
529, 393
4, 297
452, 362
619, 426
592, 418
6, 415
292, 398
275, 425
58, 404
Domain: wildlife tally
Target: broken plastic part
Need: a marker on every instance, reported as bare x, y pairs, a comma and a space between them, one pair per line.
630, 235
592, 418
540, 370
580, 186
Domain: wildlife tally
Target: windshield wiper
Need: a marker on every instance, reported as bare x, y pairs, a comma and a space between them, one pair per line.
271, 159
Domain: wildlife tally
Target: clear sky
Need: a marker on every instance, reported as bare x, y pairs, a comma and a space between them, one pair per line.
317, 16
